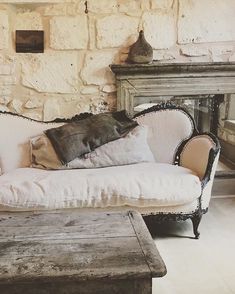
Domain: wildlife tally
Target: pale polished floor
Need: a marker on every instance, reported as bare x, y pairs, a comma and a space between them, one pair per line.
204, 266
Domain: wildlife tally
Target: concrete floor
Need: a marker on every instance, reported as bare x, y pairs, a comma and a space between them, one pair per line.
204, 266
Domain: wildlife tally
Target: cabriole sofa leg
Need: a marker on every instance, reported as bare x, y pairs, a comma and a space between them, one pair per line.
196, 219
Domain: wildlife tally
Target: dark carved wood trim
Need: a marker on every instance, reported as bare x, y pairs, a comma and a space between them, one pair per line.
196, 219
202, 68
166, 106
57, 120
195, 216
161, 216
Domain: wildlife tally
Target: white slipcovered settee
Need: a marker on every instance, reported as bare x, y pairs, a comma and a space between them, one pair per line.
176, 185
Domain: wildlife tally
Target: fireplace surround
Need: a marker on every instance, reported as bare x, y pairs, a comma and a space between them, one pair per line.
171, 79
156, 82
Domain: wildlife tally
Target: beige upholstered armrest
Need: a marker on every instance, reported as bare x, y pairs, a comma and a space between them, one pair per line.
198, 154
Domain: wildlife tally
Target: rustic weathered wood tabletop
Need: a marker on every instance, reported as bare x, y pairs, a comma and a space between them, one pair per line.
75, 252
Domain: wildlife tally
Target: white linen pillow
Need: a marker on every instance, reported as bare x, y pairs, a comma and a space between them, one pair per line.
132, 148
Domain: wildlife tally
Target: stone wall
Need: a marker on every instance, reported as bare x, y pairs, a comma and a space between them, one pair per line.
73, 74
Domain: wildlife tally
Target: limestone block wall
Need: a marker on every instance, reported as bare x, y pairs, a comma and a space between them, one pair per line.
83, 37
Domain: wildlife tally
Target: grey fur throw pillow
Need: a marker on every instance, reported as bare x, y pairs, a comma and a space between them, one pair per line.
80, 137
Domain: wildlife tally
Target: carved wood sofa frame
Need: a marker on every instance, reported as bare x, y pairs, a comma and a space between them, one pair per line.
195, 216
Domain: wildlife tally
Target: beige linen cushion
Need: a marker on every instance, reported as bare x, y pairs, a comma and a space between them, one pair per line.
132, 148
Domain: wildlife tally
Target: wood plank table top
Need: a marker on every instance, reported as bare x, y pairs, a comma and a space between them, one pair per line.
70, 246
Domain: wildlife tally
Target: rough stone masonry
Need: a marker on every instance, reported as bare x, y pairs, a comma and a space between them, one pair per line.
72, 75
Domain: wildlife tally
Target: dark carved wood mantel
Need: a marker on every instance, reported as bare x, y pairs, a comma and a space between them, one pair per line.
178, 79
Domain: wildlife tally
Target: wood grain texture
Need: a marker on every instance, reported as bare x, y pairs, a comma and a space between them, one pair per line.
75, 248
152, 256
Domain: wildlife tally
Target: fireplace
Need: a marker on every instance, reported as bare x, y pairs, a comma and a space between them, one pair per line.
202, 88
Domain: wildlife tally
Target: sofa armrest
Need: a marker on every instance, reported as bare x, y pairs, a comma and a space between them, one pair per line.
198, 154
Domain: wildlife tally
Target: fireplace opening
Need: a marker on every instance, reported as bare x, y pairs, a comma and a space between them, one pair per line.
203, 108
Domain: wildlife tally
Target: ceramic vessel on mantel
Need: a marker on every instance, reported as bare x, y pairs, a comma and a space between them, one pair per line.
141, 51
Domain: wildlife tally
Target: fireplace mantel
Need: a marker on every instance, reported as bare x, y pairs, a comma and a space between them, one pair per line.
171, 79
176, 79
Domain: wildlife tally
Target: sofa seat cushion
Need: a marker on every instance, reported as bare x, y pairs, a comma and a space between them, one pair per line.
142, 184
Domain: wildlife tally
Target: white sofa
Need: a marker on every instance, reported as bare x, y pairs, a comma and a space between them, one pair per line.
175, 187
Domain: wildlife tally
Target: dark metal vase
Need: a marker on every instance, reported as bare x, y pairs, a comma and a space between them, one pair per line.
141, 51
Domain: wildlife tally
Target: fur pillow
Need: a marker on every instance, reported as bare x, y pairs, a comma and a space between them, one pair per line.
80, 137
132, 148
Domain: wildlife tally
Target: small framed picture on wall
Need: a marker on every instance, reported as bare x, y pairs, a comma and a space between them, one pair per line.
28, 41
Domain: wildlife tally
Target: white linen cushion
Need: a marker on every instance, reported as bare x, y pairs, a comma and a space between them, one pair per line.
141, 184
130, 149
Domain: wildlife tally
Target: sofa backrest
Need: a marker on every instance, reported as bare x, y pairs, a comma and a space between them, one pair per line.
15, 132
168, 127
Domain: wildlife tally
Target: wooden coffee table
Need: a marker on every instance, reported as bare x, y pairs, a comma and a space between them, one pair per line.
75, 252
